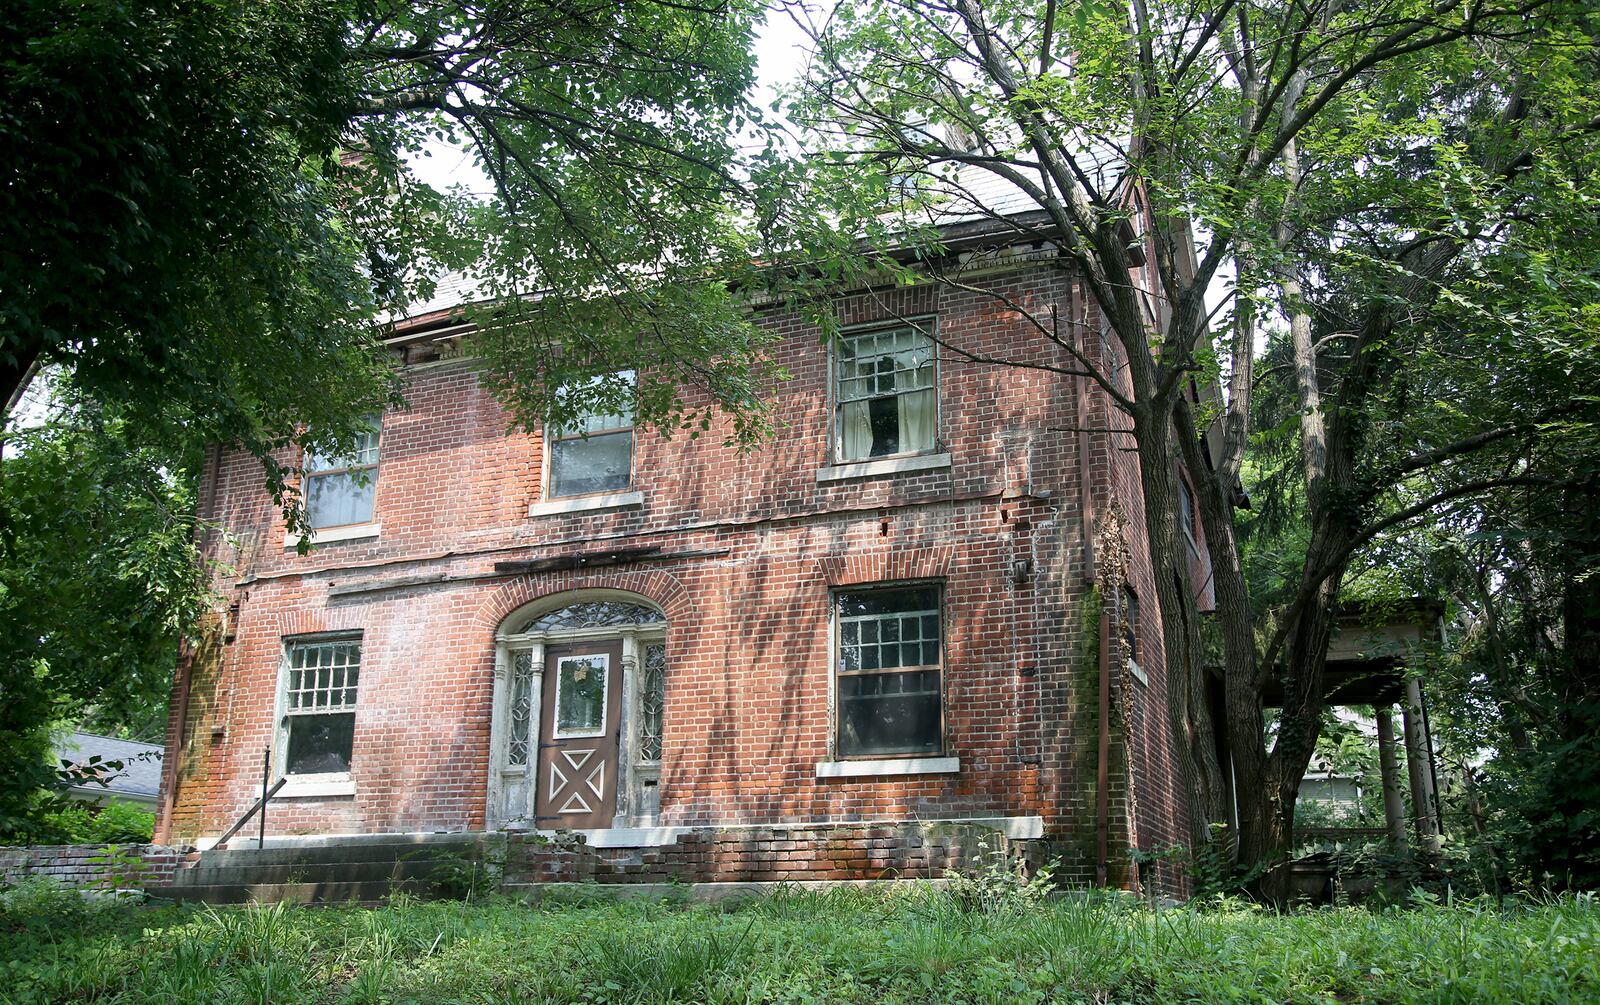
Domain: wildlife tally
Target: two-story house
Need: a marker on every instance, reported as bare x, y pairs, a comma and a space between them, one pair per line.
843, 656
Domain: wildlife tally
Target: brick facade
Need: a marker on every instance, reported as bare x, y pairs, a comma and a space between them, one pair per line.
749, 549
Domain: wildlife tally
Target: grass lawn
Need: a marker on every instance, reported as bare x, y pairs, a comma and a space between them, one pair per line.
843, 946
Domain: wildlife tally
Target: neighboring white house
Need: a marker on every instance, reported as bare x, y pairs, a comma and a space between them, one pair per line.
138, 781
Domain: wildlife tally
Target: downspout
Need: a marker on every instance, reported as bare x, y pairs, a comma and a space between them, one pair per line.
169, 793
1102, 799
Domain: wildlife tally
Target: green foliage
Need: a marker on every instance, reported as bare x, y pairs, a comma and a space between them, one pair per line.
895, 947
71, 821
98, 575
998, 879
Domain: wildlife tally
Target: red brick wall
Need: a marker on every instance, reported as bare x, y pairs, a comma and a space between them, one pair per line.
750, 543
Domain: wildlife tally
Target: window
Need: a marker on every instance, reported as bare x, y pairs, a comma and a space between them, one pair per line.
1186, 514
887, 402
581, 695
890, 660
594, 453
339, 490
321, 679
1129, 618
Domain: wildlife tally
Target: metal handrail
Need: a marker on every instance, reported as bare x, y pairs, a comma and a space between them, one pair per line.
259, 804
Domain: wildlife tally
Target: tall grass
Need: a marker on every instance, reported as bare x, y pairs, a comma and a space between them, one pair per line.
909, 945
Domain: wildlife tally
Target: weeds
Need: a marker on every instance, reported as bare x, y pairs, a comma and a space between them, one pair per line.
901, 945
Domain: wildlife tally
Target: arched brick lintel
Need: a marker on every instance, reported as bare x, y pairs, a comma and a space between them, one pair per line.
655, 585
314, 621
887, 565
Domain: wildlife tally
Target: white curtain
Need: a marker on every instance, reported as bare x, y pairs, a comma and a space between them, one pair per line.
916, 421
855, 431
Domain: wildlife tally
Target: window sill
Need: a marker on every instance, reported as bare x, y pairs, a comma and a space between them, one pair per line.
316, 788
882, 466
585, 504
327, 535
889, 766
1138, 673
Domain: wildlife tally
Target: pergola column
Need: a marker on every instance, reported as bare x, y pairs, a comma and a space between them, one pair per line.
1419, 763
1394, 814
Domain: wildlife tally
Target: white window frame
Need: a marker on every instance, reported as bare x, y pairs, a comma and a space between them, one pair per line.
307, 474
321, 782
605, 697
1188, 515
836, 657
606, 498
927, 325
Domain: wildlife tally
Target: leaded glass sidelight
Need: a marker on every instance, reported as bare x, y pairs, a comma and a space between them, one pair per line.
594, 614
521, 708
652, 701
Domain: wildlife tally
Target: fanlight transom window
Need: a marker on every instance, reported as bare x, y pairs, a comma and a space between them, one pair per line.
593, 614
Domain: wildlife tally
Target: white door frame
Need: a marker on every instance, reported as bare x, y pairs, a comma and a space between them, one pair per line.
511, 783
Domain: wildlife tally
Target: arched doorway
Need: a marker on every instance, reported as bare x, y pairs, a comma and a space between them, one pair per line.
575, 739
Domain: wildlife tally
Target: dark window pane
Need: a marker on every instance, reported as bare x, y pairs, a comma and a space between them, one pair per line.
884, 414
889, 714
598, 464
917, 598
320, 743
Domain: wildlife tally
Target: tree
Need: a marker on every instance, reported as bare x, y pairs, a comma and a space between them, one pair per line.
208, 203
208, 216
97, 578
1394, 196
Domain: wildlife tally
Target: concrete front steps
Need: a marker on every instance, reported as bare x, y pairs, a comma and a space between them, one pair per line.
328, 871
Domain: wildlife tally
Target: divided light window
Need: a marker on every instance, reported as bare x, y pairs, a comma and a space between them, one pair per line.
320, 705
887, 402
1186, 514
339, 490
594, 452
891, 645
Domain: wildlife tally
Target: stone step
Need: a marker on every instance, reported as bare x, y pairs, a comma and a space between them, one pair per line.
362, 852
209, 874
368, 892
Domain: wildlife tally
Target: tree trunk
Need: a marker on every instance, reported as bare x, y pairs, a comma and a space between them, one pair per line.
1189, 717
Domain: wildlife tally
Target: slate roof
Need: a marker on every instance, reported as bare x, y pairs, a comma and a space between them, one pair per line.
140, 777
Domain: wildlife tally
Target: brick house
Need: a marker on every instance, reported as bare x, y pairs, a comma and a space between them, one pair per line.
840, 656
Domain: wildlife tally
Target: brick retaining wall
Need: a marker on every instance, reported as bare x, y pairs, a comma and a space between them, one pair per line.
96, 866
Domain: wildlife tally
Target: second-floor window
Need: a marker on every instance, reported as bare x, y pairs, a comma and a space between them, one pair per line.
339, 490
1186, 515
593, 452
886, 394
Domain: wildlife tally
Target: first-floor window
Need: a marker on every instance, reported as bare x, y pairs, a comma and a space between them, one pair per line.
891, 655
321, 679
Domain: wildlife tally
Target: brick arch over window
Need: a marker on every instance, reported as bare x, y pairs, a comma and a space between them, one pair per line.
311, 621
885, 565
659, 588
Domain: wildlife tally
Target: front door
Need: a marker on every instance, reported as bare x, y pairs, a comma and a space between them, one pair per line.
577, 783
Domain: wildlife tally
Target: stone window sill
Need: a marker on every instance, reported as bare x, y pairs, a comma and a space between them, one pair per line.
883, 466
327, 535
889, 766
586, 504
316, 788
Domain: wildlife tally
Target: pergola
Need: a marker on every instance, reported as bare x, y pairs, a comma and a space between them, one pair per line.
1367, 665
